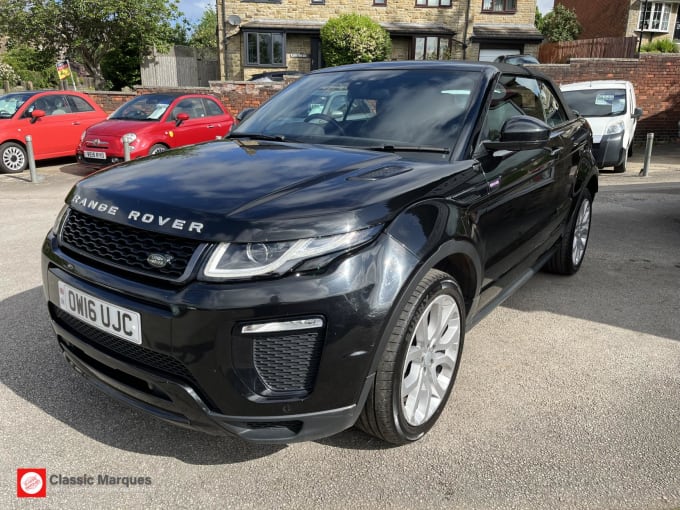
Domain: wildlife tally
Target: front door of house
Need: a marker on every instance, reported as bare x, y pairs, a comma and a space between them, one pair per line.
317, 57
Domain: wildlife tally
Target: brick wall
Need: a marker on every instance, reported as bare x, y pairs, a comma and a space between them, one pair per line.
235, 96
656, 78
109, 101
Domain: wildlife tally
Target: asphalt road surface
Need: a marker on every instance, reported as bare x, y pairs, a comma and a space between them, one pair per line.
568, 394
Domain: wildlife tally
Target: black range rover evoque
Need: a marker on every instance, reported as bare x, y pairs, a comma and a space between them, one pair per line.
319, 268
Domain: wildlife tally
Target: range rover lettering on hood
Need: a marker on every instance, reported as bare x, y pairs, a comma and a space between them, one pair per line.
138, 216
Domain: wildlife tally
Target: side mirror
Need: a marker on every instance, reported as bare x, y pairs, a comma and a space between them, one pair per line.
181, 117
637, 113
521, 133
36, 114
244, 113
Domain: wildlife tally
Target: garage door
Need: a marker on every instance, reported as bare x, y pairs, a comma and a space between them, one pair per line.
489, 55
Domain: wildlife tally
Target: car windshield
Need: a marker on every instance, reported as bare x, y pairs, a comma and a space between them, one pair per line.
597, 102
380, 109
10, 103
148, 107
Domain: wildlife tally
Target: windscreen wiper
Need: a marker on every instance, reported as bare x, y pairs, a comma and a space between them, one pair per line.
408, 148
258, 136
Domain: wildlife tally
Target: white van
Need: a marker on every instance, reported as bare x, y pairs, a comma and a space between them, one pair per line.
609, 106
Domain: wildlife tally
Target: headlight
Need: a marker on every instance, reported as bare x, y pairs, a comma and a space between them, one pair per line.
615, 128
128, 138
59, 220
233, 260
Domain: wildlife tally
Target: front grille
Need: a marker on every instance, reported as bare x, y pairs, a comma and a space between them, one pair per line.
126, 247
289, 362
120, 348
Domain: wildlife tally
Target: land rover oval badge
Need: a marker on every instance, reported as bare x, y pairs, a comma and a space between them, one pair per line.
158, 260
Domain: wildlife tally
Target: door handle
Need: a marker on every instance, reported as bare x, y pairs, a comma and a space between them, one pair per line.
76, 123
210, 126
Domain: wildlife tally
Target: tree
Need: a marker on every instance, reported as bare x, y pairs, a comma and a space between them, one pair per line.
352, 38
560, 24
88, 30
538, 20
205, 31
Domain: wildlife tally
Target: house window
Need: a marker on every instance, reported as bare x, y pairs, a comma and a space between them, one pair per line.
433, 3
655, 18
381, 3
265, 48
432, 48
317, 2
499, 5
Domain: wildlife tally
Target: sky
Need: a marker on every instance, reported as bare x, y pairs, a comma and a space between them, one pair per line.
193, 9
545, 5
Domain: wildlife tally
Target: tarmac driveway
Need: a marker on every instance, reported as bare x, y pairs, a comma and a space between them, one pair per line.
568, 394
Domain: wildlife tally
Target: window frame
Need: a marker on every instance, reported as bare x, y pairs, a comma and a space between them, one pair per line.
440, 47
492, 10
652, 7
425, 4
257, 34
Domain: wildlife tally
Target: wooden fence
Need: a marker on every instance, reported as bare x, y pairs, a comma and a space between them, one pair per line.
181, 67
603, 47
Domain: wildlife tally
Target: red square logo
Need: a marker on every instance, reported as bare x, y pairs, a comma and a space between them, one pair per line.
31, 482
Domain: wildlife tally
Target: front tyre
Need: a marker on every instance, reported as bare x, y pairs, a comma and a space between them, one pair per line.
621, 167
569, 255
157, 149
13, 158
419, 366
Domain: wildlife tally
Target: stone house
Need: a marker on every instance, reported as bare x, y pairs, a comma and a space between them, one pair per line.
627, 18
257, 36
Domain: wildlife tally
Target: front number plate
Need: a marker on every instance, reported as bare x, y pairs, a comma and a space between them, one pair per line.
112, 319
95, 154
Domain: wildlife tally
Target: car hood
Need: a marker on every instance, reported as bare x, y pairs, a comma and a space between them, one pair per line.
247, 191
117, 128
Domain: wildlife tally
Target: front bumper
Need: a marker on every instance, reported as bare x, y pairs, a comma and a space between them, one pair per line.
609, 151
196, 368
111, 159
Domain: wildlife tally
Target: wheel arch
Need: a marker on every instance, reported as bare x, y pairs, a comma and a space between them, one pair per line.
14, 140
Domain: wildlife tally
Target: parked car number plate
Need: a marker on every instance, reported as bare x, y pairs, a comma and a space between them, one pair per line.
95, 154
112, 319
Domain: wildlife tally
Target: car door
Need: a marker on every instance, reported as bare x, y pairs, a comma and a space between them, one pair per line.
58, 132
203, 123
517, 218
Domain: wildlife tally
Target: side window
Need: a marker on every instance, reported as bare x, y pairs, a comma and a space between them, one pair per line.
192, 106
512, 96
44, 103
78, 104
552, 108
212, 108
59, 105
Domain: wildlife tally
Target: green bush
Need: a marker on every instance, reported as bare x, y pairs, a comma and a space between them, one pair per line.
34, 66
664, 45
353, 38
7, 73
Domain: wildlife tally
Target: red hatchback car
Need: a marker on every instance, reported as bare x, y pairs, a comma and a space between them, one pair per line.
153, 123
55, 119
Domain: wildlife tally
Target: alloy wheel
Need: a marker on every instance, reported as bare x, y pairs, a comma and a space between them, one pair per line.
430, 361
